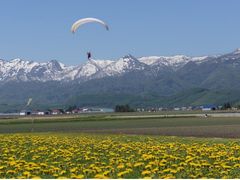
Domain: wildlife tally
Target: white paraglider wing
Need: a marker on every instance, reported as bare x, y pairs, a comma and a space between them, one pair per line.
80, 22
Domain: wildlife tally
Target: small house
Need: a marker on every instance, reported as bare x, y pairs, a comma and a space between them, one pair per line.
40, 113
25, 112
176, 109
56, 111
209, 107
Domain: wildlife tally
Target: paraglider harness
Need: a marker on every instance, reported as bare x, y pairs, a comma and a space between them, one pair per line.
88, 55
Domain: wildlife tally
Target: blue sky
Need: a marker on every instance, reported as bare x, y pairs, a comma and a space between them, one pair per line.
40, 30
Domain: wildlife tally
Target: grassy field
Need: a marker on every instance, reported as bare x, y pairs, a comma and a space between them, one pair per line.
58, 155
128, 124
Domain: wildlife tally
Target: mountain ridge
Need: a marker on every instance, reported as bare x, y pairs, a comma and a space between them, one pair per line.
18, 69
145, 81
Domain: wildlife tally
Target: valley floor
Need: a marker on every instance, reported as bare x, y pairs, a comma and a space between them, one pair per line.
196, 125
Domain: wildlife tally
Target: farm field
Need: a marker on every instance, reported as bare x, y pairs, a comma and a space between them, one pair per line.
153, 124
120, 146
75, 155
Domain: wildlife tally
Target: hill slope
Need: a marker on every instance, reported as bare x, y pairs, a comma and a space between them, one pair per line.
146, 81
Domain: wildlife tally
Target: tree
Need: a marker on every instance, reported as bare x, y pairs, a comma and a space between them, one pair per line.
226, 106
70, 108
123, 108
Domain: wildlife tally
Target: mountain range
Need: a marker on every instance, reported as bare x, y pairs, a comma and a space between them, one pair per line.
20, 70
141, 82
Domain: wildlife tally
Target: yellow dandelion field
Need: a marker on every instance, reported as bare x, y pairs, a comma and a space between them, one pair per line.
80, 156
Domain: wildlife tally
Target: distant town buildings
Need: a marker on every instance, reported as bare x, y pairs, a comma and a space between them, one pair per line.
207, 107
61, 111
79, 110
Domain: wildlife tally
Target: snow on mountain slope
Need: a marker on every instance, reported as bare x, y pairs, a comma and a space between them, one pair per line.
237, 51
21, 70
170, 61
11, 69
85, 71
101, 63
124, 64
149, 59
18, 69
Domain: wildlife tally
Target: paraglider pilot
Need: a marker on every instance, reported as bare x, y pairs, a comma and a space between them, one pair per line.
89, 55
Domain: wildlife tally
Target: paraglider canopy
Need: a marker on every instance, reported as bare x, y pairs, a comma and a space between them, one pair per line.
80, 22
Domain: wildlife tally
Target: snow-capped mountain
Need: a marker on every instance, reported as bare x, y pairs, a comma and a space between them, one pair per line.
146, 81
237, 51
176, 61
123, 65
21, 70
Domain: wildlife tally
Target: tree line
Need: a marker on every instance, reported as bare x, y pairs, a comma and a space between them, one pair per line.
123, 108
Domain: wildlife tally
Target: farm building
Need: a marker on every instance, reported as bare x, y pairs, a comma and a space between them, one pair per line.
57, 111
40, 113
209, 107
25, 112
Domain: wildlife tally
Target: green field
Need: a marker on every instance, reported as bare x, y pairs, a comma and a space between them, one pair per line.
150, 124
120, 146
